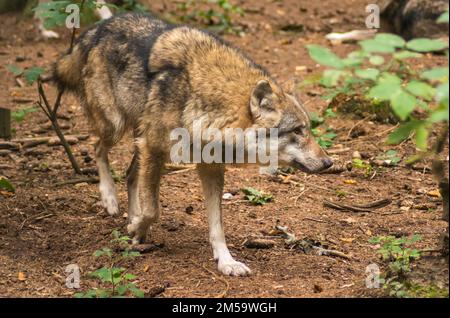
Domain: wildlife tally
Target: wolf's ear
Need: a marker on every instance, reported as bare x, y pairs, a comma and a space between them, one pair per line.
261, 99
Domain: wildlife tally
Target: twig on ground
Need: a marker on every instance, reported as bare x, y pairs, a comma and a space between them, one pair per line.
357, 207
316, 220
326, 252
224, 293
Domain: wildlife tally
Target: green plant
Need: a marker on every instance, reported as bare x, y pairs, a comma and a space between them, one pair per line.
257, 197
360, 164
19, 115
54, 14
30, 75
324, 137
427, 291
6, 185
131, 5
381, 71
116, 281
395, 251
390, 157
218, 15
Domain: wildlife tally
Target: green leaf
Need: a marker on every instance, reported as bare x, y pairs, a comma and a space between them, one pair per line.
373, 46
443, 18
384, 91
17, 71
421, 137
136, 291
353, 61
442, 94
129, 276
403, 104
389, 78
6, 185
104, 251
104, 274
19, 115
421, 89
376, 60
31, 75
426, 45
121, 290
324, 56
439, 115
257, 197
369, 73
390, 39
128, 253
440, 74
406, 55
331, 78
402, 132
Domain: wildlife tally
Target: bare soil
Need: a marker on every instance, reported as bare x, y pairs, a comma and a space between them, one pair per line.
44, 228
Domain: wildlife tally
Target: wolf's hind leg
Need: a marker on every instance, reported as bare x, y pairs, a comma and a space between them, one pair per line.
151, 162
107, 186
212, 177
134, 207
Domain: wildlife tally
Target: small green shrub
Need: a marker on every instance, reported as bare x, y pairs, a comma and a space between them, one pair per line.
381, 71
218, 15
257, 197
116, 281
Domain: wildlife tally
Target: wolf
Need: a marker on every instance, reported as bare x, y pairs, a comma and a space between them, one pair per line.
136, 73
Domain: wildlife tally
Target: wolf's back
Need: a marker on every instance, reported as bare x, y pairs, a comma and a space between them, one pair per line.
120, 40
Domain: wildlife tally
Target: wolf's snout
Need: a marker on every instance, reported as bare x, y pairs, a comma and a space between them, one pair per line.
327, 163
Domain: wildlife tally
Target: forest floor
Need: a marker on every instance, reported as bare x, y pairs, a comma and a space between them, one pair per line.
45, 226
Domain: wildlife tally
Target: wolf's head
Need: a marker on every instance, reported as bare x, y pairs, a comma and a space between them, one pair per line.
270, 107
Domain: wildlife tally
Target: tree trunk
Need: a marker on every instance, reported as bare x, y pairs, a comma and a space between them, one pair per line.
5, 123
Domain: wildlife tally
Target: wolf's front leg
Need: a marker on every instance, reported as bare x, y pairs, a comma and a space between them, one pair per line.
212, 177
150, 167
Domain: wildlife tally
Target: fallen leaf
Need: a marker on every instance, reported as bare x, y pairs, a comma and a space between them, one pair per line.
146, 268
347, 240
434, 193
21, 276
369, 233
350, 181
349, 220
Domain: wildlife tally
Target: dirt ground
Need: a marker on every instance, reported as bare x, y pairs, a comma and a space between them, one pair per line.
45, 227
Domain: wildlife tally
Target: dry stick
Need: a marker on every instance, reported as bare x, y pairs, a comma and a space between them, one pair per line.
51, 113
223, 280
356, 125
357, 207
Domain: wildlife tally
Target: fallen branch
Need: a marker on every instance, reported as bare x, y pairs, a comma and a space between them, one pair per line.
52, 112
224, 293
322, 251
81, 180
77, 181
357, 207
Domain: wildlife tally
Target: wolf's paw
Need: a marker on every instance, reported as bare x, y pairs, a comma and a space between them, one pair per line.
111, 205
47, 34
137, 229
234, 268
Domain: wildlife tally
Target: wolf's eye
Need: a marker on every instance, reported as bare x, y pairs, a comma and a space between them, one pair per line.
299, 130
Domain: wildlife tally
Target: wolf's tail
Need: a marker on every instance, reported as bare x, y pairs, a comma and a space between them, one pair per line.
67, 70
